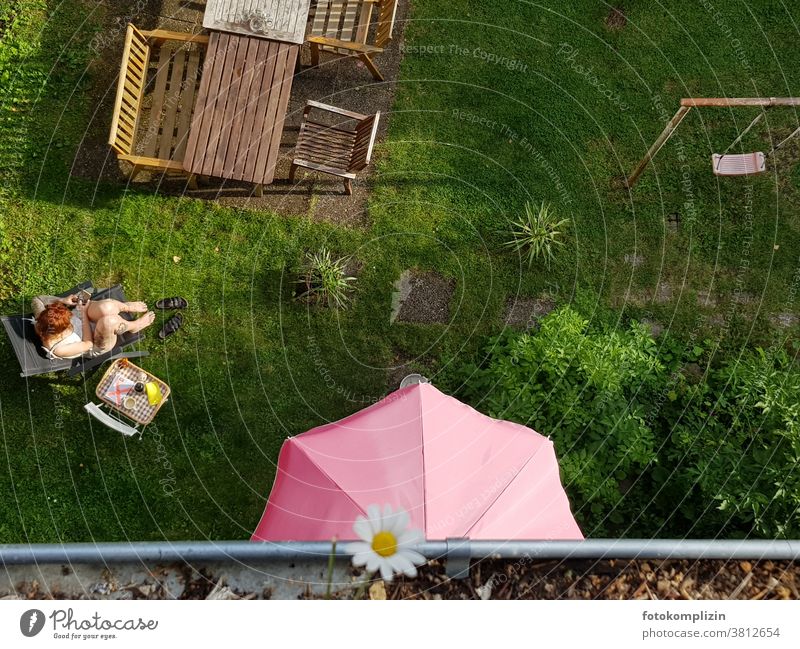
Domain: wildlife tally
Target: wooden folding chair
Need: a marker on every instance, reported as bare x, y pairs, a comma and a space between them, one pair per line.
338, 150
344, 28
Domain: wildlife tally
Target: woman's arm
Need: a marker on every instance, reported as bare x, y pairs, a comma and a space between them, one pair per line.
73, 349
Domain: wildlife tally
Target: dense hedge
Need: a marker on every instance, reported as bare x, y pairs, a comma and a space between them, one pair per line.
653, 438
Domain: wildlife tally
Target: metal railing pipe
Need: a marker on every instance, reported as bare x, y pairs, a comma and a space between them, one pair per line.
246, 551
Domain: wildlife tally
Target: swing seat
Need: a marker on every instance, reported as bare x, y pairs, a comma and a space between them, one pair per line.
739, 164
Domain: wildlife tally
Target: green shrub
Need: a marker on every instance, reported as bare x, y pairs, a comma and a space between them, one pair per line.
740, 443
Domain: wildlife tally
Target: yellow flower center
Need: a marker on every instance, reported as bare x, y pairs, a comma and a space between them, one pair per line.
384, 544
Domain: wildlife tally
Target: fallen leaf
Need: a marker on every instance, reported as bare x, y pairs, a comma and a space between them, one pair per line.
377, 590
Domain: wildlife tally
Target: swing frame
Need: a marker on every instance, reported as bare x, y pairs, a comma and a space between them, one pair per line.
702, 102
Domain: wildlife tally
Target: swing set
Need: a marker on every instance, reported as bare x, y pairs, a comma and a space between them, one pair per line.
723, 164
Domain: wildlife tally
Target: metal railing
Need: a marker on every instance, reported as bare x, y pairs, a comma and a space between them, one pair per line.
458, 553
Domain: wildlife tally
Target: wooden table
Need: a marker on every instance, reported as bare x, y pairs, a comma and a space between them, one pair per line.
280, 20
241, 106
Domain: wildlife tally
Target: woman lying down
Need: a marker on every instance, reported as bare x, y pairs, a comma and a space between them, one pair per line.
76, 326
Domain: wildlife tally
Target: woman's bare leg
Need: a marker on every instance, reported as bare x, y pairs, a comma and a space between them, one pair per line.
109, 327
102, 308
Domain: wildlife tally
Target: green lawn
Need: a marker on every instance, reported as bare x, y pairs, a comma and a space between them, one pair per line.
494, 107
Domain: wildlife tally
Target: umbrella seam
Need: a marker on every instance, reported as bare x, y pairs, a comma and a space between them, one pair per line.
424, 472
330, 477
510, 482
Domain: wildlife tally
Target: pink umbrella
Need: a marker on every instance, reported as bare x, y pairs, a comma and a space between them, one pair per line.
457, 472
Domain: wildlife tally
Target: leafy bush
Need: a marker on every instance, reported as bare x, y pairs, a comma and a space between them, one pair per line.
537, 234
326, 279
650, 443
740, 443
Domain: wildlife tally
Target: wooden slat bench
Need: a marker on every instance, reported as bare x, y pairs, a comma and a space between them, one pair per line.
345, 28
158, 76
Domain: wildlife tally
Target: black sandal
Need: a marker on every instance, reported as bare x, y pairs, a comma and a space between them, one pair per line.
171, 326
171, 303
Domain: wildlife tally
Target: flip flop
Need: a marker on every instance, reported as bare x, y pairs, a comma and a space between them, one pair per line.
170, 303
171, 326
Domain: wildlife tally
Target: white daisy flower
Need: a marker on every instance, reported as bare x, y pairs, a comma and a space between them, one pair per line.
385, 540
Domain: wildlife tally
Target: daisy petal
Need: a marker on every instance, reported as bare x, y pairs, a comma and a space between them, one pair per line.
374, 562
386, 570
374, 516
361, 559
357, 547
415, 557
387, 516
363, 529
398, 522
400, 563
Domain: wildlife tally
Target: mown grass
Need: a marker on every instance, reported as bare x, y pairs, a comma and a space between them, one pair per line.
251, 367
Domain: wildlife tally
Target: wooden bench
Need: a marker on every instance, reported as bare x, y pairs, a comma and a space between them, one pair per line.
156, 92
344, 28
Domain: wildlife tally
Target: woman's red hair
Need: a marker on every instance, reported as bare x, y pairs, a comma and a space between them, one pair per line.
53, 320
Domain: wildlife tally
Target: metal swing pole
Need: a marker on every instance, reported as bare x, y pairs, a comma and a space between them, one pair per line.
669, 129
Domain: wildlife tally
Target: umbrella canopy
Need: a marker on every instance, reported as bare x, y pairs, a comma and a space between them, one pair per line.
457, 473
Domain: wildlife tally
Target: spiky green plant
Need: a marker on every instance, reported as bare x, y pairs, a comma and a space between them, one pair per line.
325, 278
537, 234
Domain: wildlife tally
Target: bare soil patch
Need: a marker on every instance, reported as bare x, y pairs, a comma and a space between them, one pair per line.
655, 328
706, 299
422, 297
634, 260
785, 320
